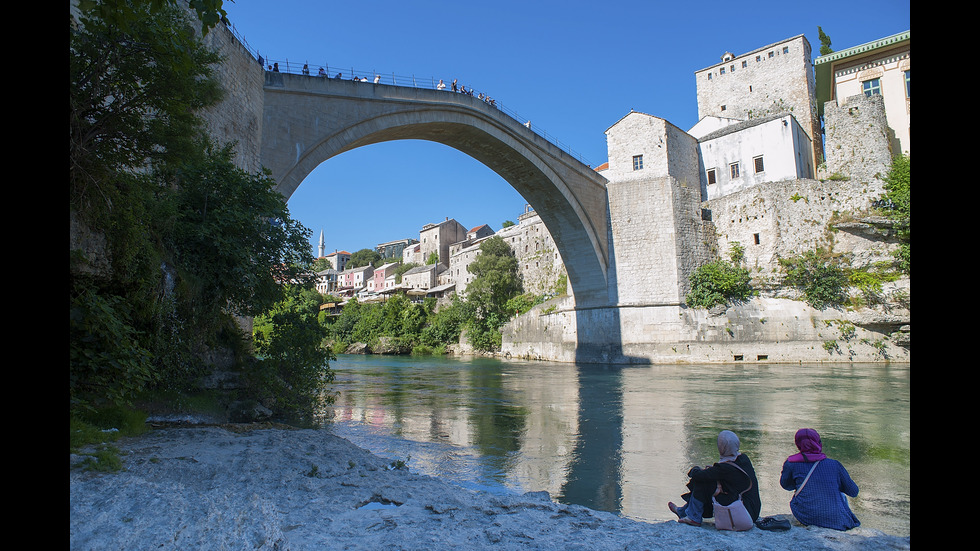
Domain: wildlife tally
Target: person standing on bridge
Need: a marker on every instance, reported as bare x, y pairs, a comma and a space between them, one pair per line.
321, 73
441, 85
455, 88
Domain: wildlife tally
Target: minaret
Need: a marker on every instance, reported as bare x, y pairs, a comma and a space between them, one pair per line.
323, 245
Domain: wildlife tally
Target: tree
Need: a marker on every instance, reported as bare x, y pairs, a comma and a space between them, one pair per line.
133, 101
824, 42
496, 281
363, 257
507, 224
320, 264
293, 364
233, 239
898, 191
432, 259
190, 238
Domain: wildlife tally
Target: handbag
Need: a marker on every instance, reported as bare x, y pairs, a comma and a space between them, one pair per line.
733, 516
798, 490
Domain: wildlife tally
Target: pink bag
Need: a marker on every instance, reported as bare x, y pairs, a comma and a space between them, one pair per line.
733, 516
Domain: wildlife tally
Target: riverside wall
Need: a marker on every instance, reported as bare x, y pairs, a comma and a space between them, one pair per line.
761, 330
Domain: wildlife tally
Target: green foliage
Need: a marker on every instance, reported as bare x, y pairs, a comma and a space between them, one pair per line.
496, 281
720, 282
134, 95
107, 359
507, 224
898, 191
432, 259
493, 297
293, 365
364, 257
104, 459
188, 237
126, 13
869, 281
233, 238
819, 276
401, 269
91, 431
824, 42
320, 264
561, 285
522, 303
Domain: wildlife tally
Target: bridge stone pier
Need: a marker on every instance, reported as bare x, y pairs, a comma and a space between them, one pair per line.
307, 120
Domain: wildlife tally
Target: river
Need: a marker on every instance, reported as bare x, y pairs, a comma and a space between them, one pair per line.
621, 438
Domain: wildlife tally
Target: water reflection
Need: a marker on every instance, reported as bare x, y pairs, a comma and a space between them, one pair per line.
622, 438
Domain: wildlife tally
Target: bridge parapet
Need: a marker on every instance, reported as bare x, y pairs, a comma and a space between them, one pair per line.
273, 78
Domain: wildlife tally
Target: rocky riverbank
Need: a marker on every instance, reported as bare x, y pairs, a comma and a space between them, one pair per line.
221, 488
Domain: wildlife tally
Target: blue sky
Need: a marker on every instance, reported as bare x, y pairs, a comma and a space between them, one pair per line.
572, 68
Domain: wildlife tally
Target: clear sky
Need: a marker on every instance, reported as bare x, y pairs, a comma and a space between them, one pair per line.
571, 67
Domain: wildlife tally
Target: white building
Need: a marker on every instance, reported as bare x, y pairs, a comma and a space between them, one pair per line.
737, 156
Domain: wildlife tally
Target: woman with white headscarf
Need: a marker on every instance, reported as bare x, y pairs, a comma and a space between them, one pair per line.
727, 480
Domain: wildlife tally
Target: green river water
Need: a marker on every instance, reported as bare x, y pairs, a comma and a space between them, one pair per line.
621, 438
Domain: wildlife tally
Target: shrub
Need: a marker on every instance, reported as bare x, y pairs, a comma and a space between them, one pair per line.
720, 282
819, 276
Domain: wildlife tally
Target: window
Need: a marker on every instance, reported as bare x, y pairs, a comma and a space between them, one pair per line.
712, 177
772, 54
872, 87
721, 71
908, 90
637, 162
734, 169
745, 64
709, 76
758, 58
759, 165
732, 68
785, 49
723, 107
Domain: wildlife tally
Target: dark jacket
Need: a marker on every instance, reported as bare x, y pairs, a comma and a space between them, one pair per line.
733, 481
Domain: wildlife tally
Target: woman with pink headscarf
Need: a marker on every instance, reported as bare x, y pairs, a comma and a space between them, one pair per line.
819, 484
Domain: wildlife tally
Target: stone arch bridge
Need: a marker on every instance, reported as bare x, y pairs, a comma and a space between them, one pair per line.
307, 120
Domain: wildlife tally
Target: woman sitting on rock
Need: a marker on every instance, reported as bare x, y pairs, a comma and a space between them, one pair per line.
819, 485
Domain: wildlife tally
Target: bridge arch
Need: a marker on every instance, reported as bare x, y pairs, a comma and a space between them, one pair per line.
307, 121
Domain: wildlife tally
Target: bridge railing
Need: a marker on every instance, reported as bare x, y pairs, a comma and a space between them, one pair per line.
350, 73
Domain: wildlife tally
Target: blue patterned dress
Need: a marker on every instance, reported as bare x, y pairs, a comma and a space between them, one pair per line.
822, 501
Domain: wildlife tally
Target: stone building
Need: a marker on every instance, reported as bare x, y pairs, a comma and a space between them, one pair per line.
878, 68
338, 260
394, 249
436, 238
774, 79
539, 265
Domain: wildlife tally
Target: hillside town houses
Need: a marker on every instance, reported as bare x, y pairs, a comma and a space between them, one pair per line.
765, 116
455, 247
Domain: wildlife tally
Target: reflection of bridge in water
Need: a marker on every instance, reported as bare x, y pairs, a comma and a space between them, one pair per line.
309, 119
